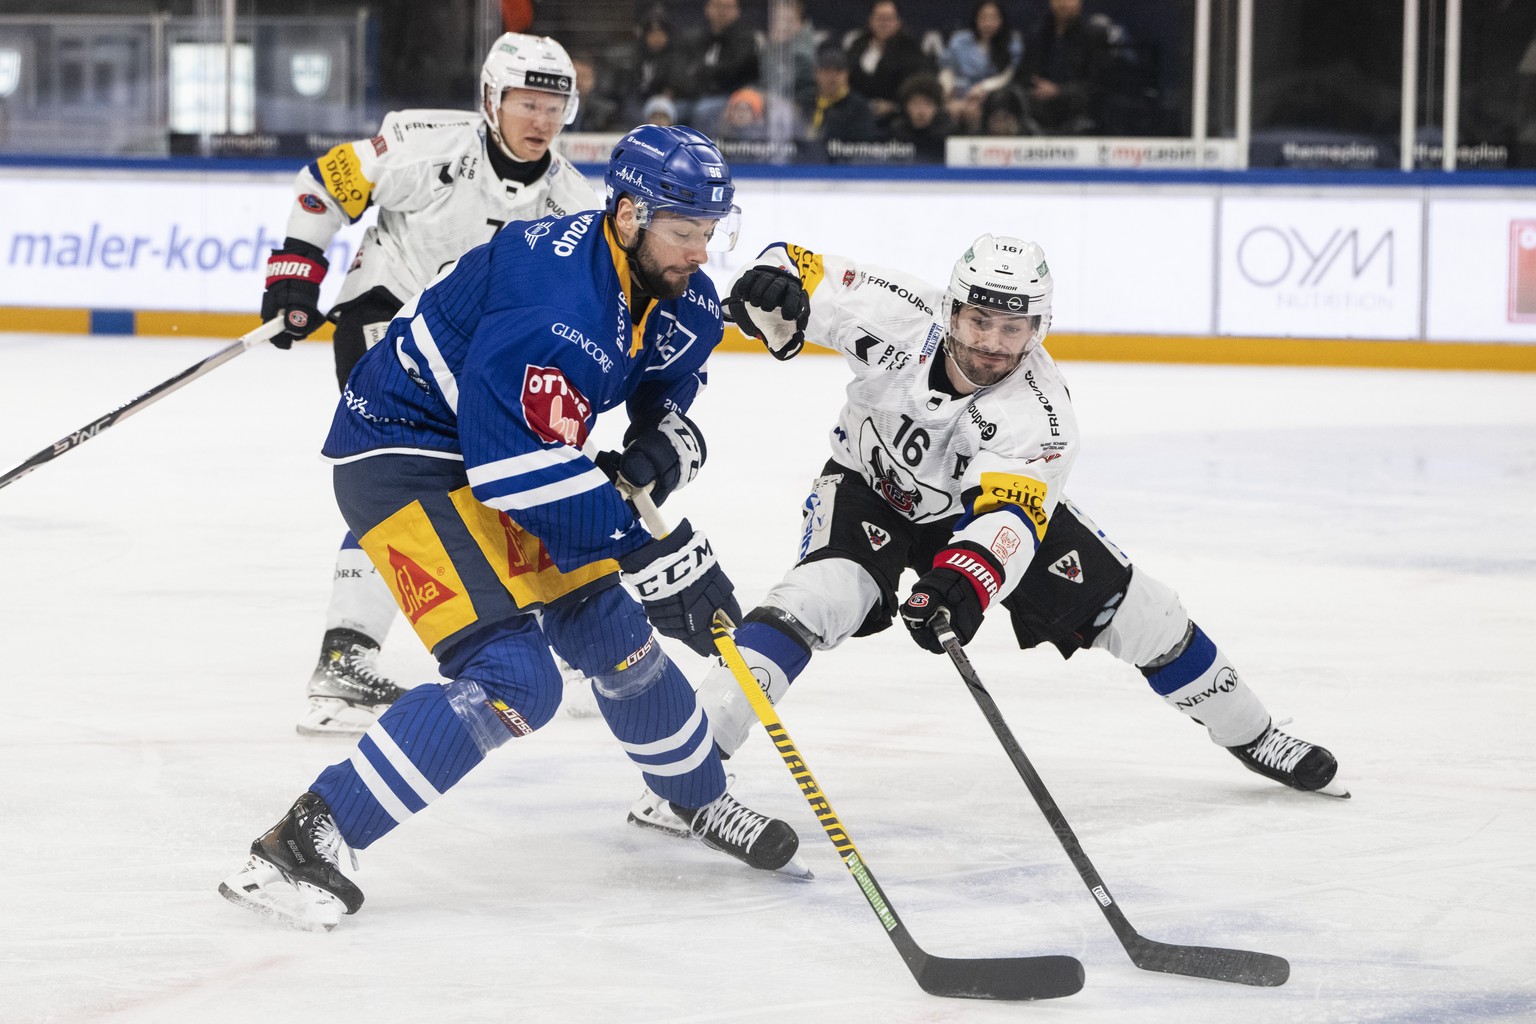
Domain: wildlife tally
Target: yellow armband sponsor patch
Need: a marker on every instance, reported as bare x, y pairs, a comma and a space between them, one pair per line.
999, 489
411, 557
809, 266
342, 174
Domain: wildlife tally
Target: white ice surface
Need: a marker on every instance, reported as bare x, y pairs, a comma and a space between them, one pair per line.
1361, 542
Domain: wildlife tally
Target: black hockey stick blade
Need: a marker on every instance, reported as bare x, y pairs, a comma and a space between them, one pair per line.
265, 332
1238, 966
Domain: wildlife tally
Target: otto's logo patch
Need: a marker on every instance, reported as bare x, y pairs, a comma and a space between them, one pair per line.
419, 591
553, 408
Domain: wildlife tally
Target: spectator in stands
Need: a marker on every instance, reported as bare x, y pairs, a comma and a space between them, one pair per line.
789, 57
883, 56
839, 112
599, 111
986, 50
1066, 61
656, 67
1005, 111
745, 117
923, 121
724, 60
659, 110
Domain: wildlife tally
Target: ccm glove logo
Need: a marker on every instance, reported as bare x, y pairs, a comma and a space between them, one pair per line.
669, 577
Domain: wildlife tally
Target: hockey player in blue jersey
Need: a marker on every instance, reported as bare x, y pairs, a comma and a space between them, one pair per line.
457, 448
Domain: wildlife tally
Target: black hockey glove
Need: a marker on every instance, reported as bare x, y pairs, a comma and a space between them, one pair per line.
668, 456
294, 273
963, 581
681, 586
769, 303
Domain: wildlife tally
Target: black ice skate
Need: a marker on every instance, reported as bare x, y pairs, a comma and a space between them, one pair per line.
1294, 762
346, 693
754, 839
294, 871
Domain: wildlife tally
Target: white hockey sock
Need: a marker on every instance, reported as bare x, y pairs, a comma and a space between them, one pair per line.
360, 599
1216, 697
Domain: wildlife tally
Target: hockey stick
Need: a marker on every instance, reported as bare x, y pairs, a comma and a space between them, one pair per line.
1241, 966
266, 331
1022, 977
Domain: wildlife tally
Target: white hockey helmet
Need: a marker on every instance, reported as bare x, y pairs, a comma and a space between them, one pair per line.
1004, 274
518, 61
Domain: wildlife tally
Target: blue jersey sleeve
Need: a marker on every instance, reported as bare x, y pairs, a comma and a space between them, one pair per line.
525, 409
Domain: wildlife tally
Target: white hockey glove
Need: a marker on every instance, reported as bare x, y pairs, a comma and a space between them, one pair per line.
767, 301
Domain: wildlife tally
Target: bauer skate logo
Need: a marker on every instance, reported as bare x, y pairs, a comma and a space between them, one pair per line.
1102, 896
553, 408
419, 591
877, 537
1069, 567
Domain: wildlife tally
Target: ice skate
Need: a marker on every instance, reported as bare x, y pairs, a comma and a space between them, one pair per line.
294, 870
754, 839
651, 811
1277, 755
346, 693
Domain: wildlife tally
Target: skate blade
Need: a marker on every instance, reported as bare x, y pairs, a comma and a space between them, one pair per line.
262, 888
797, 869
1334, 789
332, 716
651, 812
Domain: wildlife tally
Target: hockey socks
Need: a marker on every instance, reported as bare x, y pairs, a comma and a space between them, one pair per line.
1197, 680
771, 645
415, 752
662, 728
360, 599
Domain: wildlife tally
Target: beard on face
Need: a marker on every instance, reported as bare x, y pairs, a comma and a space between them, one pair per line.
654, 277
982, 375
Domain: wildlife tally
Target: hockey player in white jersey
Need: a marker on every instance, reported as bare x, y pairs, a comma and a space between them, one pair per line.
444, 181
950, 458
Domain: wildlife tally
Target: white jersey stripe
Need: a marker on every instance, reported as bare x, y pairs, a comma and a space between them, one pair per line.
517, 465
421, 334
591, 480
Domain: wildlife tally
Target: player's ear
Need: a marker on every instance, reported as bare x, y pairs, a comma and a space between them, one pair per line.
626, 220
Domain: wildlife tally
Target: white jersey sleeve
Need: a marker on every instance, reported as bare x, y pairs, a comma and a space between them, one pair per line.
429, 174
992, 464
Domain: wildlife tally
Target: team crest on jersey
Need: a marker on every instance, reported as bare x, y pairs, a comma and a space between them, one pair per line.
1005, 544
877, 537
311, 203
671, 339
553, 408
894, 482
419, 592
1069, 567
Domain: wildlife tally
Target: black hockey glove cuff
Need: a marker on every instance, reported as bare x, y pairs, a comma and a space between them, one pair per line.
668, 456
963, 581
770, 304
681, 585
294, 273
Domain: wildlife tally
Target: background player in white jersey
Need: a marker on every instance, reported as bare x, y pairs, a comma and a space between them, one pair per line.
458, 461
443, 181
950, 459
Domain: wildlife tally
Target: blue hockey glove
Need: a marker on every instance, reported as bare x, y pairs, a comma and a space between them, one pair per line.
963, 580
667, 456
681, 585
294, 273
768, 302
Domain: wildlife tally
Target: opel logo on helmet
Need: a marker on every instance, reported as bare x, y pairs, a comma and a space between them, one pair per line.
1016, 303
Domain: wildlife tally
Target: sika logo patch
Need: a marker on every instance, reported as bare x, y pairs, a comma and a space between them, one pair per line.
553, 408
419, 592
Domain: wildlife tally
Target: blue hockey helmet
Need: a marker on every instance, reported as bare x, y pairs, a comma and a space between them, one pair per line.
674, 169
